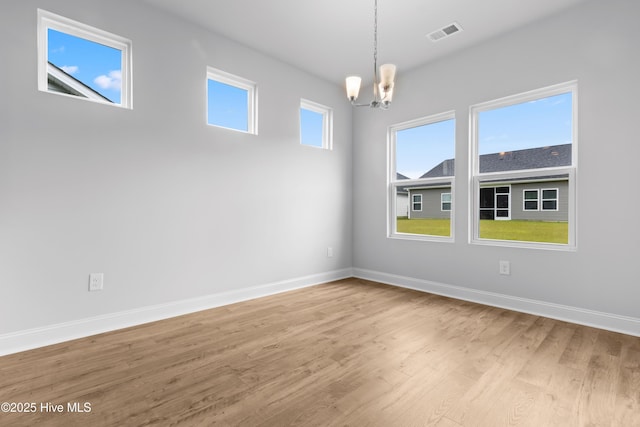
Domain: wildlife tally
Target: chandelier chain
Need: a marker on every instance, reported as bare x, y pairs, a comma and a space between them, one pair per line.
375, 34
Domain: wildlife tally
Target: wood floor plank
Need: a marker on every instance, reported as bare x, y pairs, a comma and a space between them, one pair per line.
350, 352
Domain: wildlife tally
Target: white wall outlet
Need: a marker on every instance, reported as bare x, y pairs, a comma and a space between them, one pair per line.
96, 281
505, 268
329, 252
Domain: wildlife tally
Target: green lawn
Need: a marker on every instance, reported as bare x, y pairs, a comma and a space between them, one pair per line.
431, 227
524, 231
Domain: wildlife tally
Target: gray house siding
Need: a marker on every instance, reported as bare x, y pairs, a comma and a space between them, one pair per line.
431, 206
517, 206
431, 201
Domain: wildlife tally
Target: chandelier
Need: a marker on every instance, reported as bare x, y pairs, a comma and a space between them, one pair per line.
383, 88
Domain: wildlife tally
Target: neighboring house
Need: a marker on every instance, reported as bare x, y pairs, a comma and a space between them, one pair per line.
402, 199
60, 81
537, 199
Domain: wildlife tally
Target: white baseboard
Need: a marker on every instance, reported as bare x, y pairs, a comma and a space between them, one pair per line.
57, 333
596, 319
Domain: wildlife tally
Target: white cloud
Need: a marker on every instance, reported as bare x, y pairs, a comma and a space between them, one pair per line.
112, 81
70, 69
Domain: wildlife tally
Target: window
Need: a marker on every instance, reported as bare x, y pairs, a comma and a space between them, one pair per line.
530, 200
550, 199
417, 203
445, 201
231, 102
316, 125
80, 61
524, 167
422, 169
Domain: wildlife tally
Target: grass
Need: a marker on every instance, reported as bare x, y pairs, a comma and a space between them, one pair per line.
523, 231
430, 227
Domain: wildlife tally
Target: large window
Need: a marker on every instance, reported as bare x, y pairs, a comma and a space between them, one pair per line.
231, 102
421, 181
80, 61
316, 125
524, 168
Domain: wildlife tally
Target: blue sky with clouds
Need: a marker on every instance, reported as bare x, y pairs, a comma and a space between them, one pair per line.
539, 123
96, 65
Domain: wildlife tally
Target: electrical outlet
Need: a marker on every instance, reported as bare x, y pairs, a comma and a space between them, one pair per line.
96, 281
505, 268
329, 252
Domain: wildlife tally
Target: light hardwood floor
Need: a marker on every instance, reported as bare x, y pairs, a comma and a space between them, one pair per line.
347, 353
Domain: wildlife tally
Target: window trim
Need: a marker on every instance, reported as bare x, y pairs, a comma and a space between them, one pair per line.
556, 199
442, 202
48, 20
327, 122
414, 202
477, 178
393, 184
241, 83
525, 200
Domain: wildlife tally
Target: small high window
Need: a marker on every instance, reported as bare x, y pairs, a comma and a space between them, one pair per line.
81, 61
316, 125
231, 102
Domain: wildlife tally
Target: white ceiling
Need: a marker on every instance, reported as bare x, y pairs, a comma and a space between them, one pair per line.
334, 38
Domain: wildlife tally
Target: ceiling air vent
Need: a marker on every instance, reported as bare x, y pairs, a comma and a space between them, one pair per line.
445, 32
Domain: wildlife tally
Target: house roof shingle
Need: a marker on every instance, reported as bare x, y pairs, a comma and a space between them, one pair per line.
530, 158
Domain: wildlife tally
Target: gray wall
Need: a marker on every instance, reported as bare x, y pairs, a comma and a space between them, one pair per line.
144, 195
595, 43
431, 204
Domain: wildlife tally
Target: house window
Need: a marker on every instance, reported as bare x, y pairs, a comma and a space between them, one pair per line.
530, 200
549, 199
520, 145
316, 125
83, 62
445, 201
422, 169
231, 102
417, 203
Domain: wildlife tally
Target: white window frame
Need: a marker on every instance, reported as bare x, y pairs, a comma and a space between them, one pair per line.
556, 199
414, 202
327, 122
240, 83
442, 202
48, 20
478, 179
394, 183
525, 200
